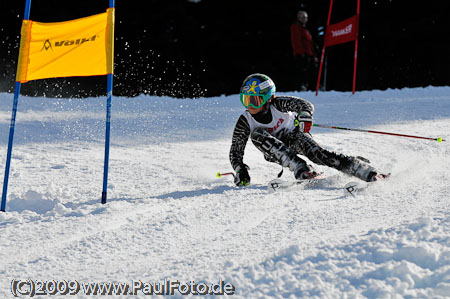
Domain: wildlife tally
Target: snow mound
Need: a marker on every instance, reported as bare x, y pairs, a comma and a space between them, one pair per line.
410, 260
35, 202
169, 217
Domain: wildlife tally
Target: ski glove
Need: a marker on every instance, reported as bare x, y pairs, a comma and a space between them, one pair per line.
242, 177
303, 121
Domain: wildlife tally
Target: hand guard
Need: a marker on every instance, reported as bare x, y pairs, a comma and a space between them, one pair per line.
242, 177
304, 121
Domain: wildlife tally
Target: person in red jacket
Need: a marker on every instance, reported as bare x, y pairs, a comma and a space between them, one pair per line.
304, 52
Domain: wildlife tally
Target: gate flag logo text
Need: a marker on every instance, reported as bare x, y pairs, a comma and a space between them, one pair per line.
342, 32
47, 45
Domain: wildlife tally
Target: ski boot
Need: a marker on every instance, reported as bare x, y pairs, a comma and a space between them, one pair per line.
306, 173
373, 176
360, 169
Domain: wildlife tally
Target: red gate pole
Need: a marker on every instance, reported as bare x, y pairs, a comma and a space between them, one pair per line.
356, 51
323, 49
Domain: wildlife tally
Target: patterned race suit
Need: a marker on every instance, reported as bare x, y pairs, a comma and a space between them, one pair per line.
273, 132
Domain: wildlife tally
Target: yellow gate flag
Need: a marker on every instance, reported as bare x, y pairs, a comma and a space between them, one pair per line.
81, 47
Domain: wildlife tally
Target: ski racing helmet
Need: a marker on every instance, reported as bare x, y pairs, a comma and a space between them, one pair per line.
256, 90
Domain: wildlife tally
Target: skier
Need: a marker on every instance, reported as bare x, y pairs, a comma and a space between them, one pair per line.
279, 127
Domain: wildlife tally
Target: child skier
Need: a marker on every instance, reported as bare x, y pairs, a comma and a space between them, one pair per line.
279, 127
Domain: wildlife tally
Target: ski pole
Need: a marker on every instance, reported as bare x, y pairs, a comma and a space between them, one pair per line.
219, 174
439, 139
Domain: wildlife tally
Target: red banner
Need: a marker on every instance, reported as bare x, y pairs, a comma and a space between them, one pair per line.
342, 32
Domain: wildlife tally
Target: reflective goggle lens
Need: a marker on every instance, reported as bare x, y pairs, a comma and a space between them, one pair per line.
255, 101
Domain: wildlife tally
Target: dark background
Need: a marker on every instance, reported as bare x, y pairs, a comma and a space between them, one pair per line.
184, 48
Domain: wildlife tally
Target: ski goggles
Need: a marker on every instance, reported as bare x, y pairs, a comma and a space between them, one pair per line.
255, 100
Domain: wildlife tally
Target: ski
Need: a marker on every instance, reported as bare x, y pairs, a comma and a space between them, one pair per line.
350, 189
354, 188
279, 184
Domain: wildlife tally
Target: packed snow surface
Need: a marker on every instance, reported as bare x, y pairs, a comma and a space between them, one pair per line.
169, 217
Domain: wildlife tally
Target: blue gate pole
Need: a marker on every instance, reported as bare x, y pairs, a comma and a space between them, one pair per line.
10, 145
12, 125
107, 137
108, 129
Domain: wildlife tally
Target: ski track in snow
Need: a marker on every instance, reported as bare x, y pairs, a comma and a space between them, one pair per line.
168, 216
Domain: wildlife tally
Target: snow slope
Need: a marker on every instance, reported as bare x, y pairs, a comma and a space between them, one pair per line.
169, 217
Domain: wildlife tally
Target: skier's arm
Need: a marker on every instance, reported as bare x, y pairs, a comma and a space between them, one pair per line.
304, 109
240, 137
294, 104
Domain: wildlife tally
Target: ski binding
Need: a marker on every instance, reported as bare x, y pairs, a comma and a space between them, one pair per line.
353, 188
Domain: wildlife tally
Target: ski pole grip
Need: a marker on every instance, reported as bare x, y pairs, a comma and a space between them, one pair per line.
219, 174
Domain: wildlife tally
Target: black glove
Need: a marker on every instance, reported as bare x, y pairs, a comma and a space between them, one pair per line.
242, 177
303, 121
